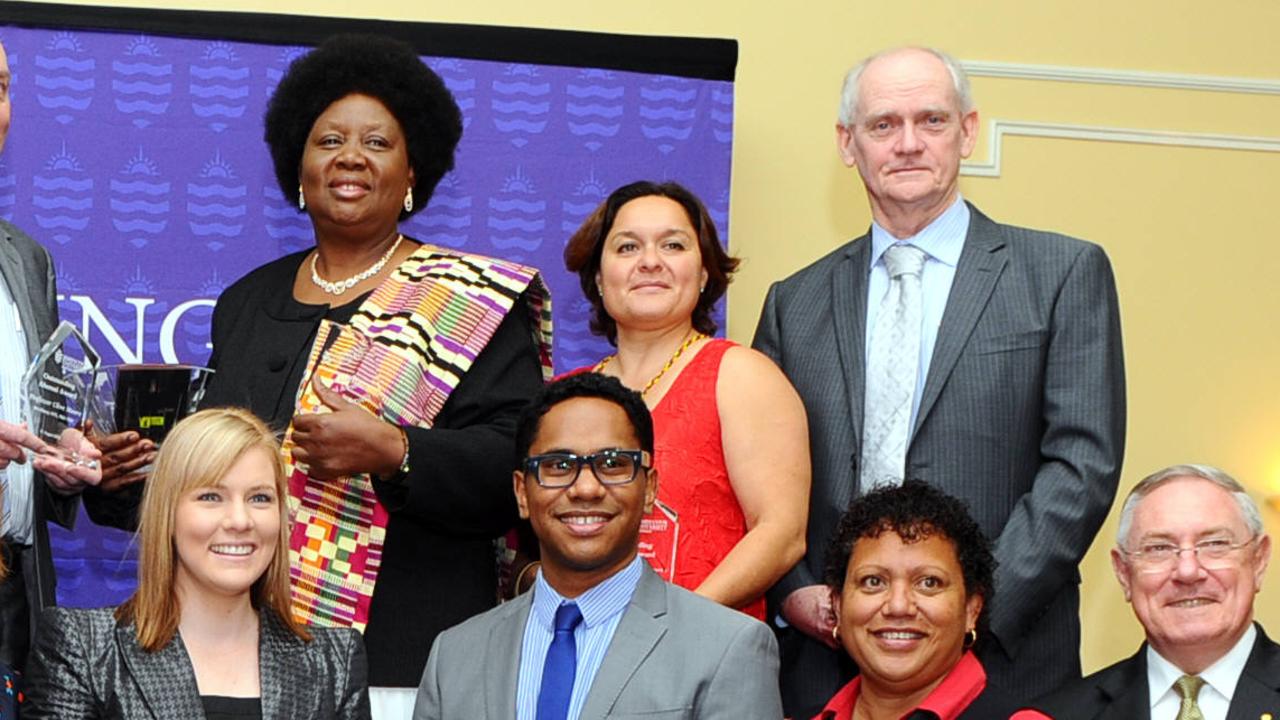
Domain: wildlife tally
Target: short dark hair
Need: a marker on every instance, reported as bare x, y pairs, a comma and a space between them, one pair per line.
590, 385
915, 511
379, 67
582, 252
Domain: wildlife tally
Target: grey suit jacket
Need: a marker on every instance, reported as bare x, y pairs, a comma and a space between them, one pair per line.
674, 655
1022, 417
1120, 691
27, 272
85, 665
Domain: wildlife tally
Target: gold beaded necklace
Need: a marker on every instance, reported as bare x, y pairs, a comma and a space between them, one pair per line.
695, 337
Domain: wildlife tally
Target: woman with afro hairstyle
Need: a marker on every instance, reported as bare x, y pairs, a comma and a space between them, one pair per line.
395, 369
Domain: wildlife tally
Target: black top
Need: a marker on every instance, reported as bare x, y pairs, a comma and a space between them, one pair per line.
438, 563
217, 707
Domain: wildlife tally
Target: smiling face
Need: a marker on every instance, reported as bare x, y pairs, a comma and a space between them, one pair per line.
903, 613
355, 167
587, 531
1192, 615
225, 535
650, 266
908, 136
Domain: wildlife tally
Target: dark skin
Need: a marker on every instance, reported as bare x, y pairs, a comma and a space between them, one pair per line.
345, 441
123, 454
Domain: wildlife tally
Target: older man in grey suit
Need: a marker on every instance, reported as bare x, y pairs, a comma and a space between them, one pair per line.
599, 635
28, 314
946, 347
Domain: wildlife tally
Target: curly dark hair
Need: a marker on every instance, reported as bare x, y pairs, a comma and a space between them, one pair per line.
915, 511
379, 67
587, 384
582, 252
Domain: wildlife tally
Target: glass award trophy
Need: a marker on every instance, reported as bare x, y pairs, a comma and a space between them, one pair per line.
659, 537
57, 390
66, 387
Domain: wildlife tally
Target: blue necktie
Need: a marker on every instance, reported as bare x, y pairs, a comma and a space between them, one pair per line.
560, 667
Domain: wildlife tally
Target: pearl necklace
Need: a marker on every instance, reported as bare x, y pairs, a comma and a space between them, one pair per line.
341, 286
695, 337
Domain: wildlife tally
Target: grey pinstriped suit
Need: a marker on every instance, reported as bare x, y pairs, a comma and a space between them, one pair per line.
85, 665
1022, 416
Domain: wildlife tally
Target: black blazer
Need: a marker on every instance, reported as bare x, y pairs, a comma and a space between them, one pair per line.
1120, 692
438, 560
86, 665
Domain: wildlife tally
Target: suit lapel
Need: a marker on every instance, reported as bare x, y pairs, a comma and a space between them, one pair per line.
16, 282
502, 657
279, 650
981, 262
643, 624
1127, 690
1258, 690
849, 294
165, 678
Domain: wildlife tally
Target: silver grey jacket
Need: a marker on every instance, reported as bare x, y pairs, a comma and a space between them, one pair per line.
86, 665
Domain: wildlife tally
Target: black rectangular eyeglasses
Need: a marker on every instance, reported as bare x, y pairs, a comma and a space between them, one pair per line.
612, 467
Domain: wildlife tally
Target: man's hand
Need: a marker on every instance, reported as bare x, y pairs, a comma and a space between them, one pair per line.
68, 467
346, 441
810, 611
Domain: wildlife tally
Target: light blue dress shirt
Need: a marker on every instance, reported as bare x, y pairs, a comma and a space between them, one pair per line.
13, 363
941, 240
602, 607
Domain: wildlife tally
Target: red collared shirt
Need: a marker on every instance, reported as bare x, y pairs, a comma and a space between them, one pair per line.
958, 689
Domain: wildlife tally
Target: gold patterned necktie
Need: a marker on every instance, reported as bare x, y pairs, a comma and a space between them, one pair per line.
1188, 688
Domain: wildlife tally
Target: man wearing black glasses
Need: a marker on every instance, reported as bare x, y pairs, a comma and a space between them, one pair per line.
600, 634
1190, 554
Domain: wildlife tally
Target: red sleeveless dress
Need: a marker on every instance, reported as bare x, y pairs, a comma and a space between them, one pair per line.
692, 478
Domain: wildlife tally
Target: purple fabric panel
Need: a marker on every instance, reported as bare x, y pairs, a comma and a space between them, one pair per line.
138, 161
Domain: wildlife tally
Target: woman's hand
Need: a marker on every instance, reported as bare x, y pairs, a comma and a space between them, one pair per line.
123, 454
346, 441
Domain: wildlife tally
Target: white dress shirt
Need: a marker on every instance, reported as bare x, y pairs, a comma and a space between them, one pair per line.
1219, 678
13, 363
941, 240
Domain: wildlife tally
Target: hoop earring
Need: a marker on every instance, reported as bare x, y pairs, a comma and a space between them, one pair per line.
302, 199
970, 638
835, 633
408, 199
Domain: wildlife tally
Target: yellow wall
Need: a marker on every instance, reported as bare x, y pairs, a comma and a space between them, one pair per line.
1192, 232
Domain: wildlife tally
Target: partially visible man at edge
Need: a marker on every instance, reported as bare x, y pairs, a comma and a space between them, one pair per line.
46, 487
1190, 554
982, 358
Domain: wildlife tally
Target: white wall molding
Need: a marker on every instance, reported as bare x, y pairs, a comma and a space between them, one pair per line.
1134, 78
999, 129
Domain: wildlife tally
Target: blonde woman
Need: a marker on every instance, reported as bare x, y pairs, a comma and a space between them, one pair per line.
209, 631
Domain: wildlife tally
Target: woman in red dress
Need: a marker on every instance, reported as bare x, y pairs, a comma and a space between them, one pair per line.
730, 432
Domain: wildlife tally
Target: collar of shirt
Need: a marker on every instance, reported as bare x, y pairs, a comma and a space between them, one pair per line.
1220, 678
942, 240
957, 690
597, 605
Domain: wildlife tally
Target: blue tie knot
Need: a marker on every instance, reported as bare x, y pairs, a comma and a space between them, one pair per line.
567, 618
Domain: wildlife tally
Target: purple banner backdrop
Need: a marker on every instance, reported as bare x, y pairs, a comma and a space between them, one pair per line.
138, 161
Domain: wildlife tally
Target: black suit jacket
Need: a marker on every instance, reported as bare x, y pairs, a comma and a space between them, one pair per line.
27, 271
1022, 417
1120, 691
438, 565
86, 665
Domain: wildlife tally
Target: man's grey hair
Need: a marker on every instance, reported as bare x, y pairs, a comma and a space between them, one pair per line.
849, 95
1248, 508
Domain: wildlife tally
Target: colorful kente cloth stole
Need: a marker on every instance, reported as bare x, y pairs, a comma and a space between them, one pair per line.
406, 349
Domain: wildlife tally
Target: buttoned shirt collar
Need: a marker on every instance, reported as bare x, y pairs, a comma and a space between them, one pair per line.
1220, 678
942, 239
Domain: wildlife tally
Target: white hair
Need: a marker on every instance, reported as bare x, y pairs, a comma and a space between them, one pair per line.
1248, 508
849, 94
